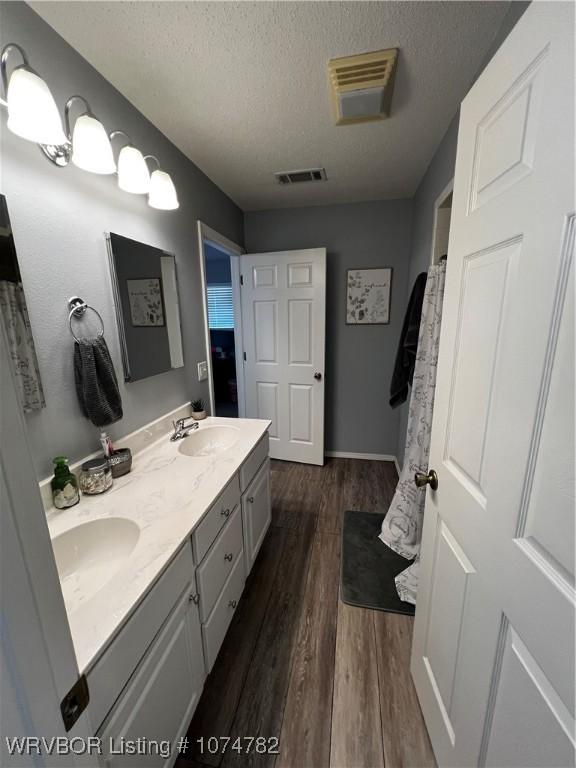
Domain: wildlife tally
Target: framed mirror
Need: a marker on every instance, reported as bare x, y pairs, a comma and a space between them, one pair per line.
14, 312
147, 307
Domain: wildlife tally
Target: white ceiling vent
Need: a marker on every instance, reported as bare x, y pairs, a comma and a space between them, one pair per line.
297, 177
362, 86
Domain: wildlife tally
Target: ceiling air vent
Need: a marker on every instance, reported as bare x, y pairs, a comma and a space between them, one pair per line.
362, 86
297, 177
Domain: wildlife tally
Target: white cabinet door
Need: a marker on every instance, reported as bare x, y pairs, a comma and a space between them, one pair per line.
283, 320
256, 513
159, 702
493, 649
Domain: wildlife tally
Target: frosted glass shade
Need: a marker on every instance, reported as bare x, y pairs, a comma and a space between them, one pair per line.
162, 192
133, 173
91, 148
32, 111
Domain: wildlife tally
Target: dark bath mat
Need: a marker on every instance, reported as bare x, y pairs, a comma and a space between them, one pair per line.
369, 566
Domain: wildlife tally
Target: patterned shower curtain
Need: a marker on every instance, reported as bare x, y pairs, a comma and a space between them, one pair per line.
402, 526
21, 346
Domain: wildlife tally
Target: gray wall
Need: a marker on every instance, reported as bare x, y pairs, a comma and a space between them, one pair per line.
359, 359
437, 176
59, 217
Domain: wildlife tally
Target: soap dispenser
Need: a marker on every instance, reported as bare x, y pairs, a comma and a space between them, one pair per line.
64, 485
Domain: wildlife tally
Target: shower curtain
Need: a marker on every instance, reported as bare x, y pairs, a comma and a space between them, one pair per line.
402, 526
21, 346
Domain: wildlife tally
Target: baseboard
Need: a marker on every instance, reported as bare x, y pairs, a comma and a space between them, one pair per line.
368, 456
397, 466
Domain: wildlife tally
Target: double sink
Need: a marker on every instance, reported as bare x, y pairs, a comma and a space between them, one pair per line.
89, 555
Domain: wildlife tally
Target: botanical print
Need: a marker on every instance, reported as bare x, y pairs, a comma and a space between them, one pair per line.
146, 307
402, 526
368, 296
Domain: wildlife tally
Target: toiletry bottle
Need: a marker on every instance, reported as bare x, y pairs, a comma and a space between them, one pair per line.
64, 485
105, 443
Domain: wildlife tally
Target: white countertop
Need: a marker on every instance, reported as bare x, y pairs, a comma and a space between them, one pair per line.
166, 494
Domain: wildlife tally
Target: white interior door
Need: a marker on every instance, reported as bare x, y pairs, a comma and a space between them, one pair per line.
283, 318
37, 662
493, 650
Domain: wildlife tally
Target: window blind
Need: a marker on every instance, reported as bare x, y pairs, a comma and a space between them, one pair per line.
220, 307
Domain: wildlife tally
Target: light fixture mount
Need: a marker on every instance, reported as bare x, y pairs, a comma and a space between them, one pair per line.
59, 154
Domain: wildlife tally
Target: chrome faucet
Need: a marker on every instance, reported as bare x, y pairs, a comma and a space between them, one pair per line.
181, 429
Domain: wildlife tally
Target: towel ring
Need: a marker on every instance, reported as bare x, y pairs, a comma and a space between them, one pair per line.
78, 307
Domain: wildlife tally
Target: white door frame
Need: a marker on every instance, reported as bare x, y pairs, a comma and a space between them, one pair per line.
209, 235
37, 647
437, 203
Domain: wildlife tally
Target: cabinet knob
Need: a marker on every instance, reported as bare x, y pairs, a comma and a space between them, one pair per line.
251, 499
194, 598
229, 557
225, 512
232, 604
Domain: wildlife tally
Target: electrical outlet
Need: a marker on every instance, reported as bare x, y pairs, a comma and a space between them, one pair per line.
202, 371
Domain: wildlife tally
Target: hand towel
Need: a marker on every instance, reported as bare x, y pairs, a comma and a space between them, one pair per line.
96, 383
407, 345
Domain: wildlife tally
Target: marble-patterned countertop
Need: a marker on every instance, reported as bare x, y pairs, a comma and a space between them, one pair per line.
166, 494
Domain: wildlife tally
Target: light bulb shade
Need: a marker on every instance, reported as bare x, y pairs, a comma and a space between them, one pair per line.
32, 111
162, 192
133, 173
91, 148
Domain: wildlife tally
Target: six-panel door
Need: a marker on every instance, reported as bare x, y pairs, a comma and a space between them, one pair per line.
283, 319
493, 648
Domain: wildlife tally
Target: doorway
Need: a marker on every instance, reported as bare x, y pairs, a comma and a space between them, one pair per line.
220, 269
442, 219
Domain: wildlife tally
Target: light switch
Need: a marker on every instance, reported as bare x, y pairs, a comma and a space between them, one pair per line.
202, 371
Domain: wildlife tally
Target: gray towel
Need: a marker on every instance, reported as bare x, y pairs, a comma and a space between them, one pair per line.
96, 384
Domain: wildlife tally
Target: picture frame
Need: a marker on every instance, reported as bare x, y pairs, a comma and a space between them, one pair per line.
146, 301
368, 293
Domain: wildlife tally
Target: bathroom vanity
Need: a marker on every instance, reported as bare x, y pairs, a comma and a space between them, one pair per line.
152, 572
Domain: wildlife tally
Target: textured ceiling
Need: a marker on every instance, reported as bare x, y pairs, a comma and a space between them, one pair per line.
242, 90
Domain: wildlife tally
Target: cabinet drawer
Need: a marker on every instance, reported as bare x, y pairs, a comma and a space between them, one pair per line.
160, 699
214, 631
216, 566
250, 466
215, 519
112, 670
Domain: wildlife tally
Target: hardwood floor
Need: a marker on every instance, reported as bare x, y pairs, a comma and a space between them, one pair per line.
330, 681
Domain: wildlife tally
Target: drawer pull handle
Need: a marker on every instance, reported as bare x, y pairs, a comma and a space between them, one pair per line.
232, 604
225, 512
229, 557
195, 598
251, 499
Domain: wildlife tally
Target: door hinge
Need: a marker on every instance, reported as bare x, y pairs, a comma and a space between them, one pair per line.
75, 702
241, 279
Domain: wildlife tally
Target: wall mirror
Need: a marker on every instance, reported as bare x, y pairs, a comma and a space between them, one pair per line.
147, 308
14, 312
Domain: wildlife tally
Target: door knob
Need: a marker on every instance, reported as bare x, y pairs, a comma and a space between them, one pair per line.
318, 376
430, 479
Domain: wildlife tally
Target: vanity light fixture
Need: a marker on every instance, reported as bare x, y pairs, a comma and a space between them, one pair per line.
91, 147
32, 111
162, 193
33, 115
133, 173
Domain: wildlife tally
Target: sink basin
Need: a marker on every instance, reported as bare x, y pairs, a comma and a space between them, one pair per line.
209, 441
90, 554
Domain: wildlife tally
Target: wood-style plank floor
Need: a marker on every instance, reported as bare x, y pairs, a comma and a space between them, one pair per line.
330, 681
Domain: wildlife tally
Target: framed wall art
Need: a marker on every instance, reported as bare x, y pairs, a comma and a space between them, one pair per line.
368, 296
146, 304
